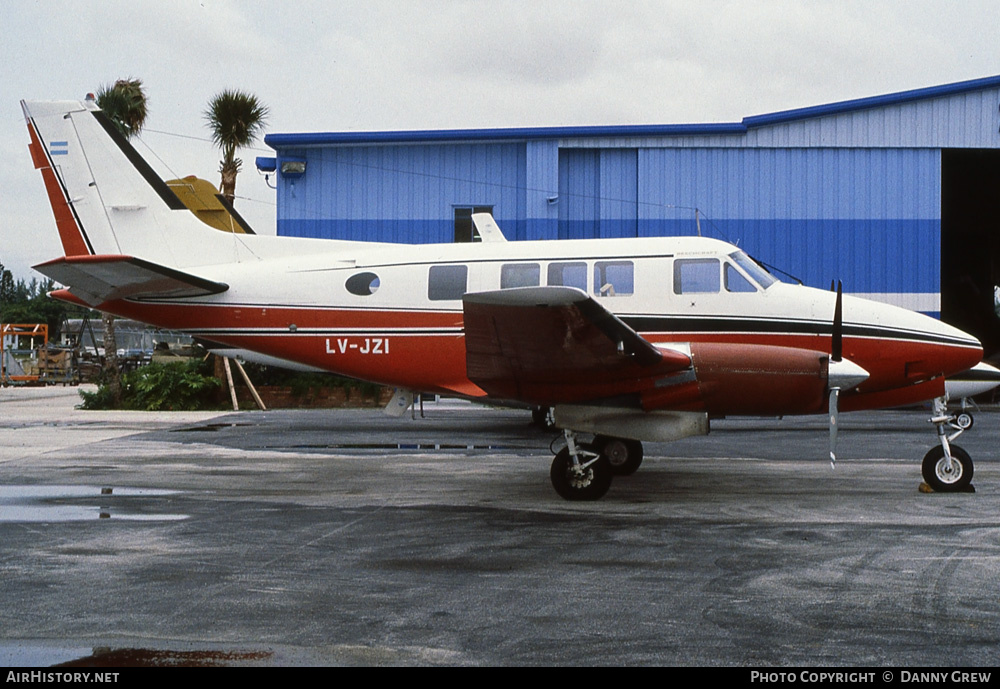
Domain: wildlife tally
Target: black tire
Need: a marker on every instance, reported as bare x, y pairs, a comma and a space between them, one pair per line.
936, 474
625, 456
591, 485
964, 420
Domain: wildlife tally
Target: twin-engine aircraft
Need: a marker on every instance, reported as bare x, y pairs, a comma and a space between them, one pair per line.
628, 340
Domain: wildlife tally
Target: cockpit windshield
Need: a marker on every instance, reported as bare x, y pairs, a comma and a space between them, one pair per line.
753, 269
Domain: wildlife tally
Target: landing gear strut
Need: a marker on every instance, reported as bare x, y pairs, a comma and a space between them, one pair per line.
947, 468
580, 471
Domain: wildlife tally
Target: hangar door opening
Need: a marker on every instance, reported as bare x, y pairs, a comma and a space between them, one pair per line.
970, 242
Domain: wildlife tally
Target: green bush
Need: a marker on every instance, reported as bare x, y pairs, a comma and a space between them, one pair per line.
302, 384
177, 386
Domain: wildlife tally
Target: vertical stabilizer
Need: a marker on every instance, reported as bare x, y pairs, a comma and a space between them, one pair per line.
107, 200
74, 242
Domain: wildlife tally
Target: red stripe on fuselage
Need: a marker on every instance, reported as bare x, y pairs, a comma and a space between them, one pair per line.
202, 316
69, 231
376, 345
365, 344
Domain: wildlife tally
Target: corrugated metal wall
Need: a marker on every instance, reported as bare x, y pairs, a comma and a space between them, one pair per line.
967, 120
853, 194
401, 193
822, 213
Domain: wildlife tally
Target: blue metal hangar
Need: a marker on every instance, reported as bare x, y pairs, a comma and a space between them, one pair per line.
897, 195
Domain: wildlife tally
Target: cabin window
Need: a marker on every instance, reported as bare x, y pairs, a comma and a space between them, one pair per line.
447, 282
692, 275
568, 275
362, 284
613, 278
519, 275
735, 282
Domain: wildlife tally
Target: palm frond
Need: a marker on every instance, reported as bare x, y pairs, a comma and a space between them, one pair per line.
236, 119
125, 103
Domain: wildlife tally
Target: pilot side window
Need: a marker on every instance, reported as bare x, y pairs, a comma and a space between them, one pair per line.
447, 282
693, 275
735, 282
568, 275
613, 278
519, 275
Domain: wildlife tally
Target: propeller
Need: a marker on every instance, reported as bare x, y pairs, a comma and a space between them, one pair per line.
834, 398
836, 357
843, 374
837, 338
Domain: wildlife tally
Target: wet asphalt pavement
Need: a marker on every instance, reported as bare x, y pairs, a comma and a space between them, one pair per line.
348, 537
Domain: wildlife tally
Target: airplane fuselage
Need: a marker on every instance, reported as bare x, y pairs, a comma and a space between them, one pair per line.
393, 314
627, 340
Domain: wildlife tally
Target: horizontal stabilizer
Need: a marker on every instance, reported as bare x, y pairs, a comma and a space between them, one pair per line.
97, 279
556, 344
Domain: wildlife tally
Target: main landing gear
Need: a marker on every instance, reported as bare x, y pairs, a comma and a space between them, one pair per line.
583, 471
947, 467
624, 455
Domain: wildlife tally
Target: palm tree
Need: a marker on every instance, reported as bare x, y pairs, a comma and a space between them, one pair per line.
236, 120
124, 102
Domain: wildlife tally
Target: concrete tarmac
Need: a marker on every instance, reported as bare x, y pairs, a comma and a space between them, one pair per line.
351, 538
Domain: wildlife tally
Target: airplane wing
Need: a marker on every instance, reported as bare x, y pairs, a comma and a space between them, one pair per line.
97, 279
549, 345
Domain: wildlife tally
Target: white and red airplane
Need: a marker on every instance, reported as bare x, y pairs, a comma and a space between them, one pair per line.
630, 340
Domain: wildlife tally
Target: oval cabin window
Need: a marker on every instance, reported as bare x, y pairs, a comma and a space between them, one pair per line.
362, 284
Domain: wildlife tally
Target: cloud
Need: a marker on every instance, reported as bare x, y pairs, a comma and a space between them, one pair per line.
384, 64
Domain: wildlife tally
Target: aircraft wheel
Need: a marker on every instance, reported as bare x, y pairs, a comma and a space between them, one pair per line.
573, 483
625, 456
964, 420
937, 474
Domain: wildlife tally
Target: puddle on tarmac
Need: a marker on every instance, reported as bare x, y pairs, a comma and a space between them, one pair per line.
45, 503
396, 446
31, 654
208, 428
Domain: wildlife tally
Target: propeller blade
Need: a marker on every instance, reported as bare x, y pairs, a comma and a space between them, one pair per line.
834, 413
837, 339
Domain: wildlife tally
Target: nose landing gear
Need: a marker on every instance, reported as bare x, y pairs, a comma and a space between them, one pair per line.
947, 468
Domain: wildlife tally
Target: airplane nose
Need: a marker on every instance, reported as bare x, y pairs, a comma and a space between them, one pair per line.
923, 347
959, 352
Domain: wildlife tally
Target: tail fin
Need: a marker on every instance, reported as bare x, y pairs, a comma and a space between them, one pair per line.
106, 199
487, 227
74, 241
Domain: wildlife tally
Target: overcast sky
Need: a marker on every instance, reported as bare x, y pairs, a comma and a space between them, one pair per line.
371, 65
